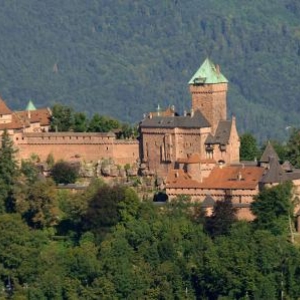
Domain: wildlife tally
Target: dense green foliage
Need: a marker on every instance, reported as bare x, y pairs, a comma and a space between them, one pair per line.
104, 243
64, 172
222, 218
8, 172
249, 149
273, 208
122, 58
65, 119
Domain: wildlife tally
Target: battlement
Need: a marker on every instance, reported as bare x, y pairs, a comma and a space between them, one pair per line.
209, 88
63, 138
74, 145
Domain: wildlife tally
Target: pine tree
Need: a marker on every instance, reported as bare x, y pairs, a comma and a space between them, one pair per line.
8, 172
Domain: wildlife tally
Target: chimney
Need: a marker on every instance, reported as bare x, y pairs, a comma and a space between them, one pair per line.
218, 69
158, 110
192, 112
184, 113
173, 110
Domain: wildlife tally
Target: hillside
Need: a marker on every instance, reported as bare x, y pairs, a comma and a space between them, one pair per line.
122, 58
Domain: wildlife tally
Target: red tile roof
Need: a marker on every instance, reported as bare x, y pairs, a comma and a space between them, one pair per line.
4, 110
41, 116
23, 119
15, 123
227, 177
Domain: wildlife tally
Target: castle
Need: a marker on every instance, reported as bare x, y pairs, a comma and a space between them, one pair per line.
196, 154
198, 139
29, 130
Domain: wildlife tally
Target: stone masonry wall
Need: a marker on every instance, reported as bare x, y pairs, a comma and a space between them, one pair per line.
158, 149
210, 99
162, 147
89, 147
242, 196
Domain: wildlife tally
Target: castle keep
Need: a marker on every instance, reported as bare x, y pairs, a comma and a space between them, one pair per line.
197, 140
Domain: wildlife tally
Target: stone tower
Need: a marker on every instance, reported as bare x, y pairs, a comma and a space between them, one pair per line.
209, 89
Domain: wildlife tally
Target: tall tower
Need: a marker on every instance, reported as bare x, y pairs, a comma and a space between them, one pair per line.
209, 90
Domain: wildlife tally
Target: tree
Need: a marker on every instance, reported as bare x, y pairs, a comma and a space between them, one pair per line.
74, 208
20, 248
8, 172
249, 150
80, 122
50, 160
293, 148
222, 218
38, 205
109, 206
273, 208
102, 124
30, 170
127, 131
64, 172
62, 118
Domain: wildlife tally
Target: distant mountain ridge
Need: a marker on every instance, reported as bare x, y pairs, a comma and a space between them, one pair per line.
122, 58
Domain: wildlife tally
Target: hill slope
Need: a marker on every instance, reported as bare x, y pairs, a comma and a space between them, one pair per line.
122, 58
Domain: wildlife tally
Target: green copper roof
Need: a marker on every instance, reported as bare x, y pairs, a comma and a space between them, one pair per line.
30, 106
208, 73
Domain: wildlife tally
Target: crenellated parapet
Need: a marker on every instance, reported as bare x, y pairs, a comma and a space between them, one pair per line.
65, 138
69, 146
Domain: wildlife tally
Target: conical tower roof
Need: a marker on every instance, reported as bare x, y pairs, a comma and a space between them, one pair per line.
30, 106
275, 173
269, 153
208, 73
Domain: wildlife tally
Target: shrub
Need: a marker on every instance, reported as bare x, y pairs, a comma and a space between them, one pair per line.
64, 172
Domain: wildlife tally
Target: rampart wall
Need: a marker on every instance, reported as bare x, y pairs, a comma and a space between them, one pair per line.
69, 146
240, 197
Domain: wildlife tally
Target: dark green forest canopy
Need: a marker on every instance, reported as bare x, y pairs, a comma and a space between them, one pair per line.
122, 58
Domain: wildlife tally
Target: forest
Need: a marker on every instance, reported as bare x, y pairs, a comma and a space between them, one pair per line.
105, 242
123, 58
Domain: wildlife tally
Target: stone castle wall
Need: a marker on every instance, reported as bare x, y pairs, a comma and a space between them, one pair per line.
210, 99
242, 197
162, 147
68, 146
158, 149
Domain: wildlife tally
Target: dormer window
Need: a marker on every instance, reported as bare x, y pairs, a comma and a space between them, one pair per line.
209, 147
200, 80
